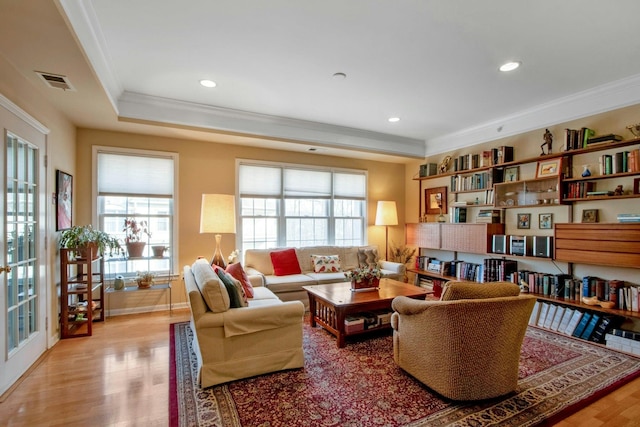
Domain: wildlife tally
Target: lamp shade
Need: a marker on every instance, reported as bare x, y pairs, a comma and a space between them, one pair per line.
386, 213
218, 213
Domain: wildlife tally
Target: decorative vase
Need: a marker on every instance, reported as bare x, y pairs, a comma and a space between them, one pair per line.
144, 284
135, 249
118, 283
586, 171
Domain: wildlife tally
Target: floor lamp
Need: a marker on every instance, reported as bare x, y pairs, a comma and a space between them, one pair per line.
218, 215
386, 215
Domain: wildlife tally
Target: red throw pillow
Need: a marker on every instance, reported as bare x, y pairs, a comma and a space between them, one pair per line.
239, 274
285, 262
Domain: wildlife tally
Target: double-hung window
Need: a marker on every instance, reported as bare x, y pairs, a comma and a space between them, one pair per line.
137, 185
294, 205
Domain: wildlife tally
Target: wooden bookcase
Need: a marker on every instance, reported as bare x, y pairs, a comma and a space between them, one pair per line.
81, 293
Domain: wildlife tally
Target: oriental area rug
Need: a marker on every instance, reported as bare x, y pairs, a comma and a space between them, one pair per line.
360, 386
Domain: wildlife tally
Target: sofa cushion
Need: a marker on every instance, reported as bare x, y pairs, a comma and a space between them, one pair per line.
238, 273
291, 282
262, 293
213, 291
326, 263
235, 300
285, 262
368, 257
323, 278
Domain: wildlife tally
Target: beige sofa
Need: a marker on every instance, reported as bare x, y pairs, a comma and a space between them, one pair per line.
467, 345
258, 263
235, 343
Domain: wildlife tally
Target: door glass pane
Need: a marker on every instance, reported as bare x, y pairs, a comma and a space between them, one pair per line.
21, 226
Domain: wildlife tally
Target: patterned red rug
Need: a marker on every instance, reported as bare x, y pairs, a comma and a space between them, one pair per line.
360, 385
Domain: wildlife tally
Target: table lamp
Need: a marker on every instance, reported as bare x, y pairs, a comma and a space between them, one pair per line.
386, 215
218, 215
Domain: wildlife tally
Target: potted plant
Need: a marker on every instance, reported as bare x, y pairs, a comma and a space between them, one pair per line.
364, 277
80, 237
134, 231
145, 279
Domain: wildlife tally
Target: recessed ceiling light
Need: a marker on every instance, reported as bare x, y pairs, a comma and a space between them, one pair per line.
510, 66
339, 76
394, 119
208, 83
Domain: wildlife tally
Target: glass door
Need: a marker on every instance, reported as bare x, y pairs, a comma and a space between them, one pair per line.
22, 276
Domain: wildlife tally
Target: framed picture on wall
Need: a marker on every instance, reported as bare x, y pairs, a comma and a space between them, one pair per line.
524, 220
435, 200
64, 200
545, 221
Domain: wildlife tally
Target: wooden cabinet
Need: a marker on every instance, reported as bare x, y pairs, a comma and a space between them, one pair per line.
81, 293
469, 238
616, 245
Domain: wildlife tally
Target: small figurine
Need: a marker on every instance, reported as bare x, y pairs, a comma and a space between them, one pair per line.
585, 171
618, 191
445, 164
548, 141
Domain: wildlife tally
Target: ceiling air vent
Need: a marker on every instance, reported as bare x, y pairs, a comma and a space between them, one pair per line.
55, 81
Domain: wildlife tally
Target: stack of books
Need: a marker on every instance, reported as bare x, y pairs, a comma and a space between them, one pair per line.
489, 216
629, 217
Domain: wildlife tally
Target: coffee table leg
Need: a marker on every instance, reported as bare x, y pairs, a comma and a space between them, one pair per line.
340, 315
312, 311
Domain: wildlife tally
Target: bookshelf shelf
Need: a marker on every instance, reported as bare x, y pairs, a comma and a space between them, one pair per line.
583, 306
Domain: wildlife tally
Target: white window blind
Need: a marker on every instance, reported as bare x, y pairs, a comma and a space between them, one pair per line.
349, 185
307, 183
134, 175
259, 181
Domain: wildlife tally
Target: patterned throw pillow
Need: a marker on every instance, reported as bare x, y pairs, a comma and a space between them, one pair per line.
326, 263
368, 258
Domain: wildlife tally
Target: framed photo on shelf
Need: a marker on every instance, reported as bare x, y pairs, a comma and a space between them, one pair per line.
545, 221
524, 220
590, 215
64, 200
511, 174
548, 168
435, 200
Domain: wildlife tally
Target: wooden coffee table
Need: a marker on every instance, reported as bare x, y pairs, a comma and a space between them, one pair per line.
330, 304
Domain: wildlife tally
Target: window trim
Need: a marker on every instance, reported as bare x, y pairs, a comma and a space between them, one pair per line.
282, 218
175, 157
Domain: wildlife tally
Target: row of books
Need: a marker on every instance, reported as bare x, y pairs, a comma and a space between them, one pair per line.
581, 189
459, 269
620, 162
575, 139
499, 269
591, 326
494, 156
477, 181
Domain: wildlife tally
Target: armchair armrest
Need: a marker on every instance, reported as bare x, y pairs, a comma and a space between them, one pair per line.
396, 267
411, 306
247, 320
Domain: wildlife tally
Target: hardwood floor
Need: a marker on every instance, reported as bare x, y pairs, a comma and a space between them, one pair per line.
120, 377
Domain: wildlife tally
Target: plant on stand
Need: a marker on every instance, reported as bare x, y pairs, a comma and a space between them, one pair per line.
145, 279
403, 255
80, 237
134, 231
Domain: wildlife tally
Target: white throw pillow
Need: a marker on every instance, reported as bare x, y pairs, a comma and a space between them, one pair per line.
326, 263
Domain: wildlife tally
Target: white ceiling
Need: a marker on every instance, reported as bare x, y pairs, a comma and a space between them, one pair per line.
433, 63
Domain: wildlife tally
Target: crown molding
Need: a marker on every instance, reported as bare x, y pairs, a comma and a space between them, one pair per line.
23, 115
607, 97
135, 106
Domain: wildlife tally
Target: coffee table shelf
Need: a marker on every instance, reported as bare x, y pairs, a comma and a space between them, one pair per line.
330, 304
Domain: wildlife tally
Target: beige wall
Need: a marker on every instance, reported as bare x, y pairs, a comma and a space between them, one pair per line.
527, 145
206, 167
61, 155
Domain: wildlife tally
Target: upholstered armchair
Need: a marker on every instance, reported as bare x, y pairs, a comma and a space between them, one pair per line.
466, 346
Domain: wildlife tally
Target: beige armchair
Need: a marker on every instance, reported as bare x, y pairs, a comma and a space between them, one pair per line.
466, 346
